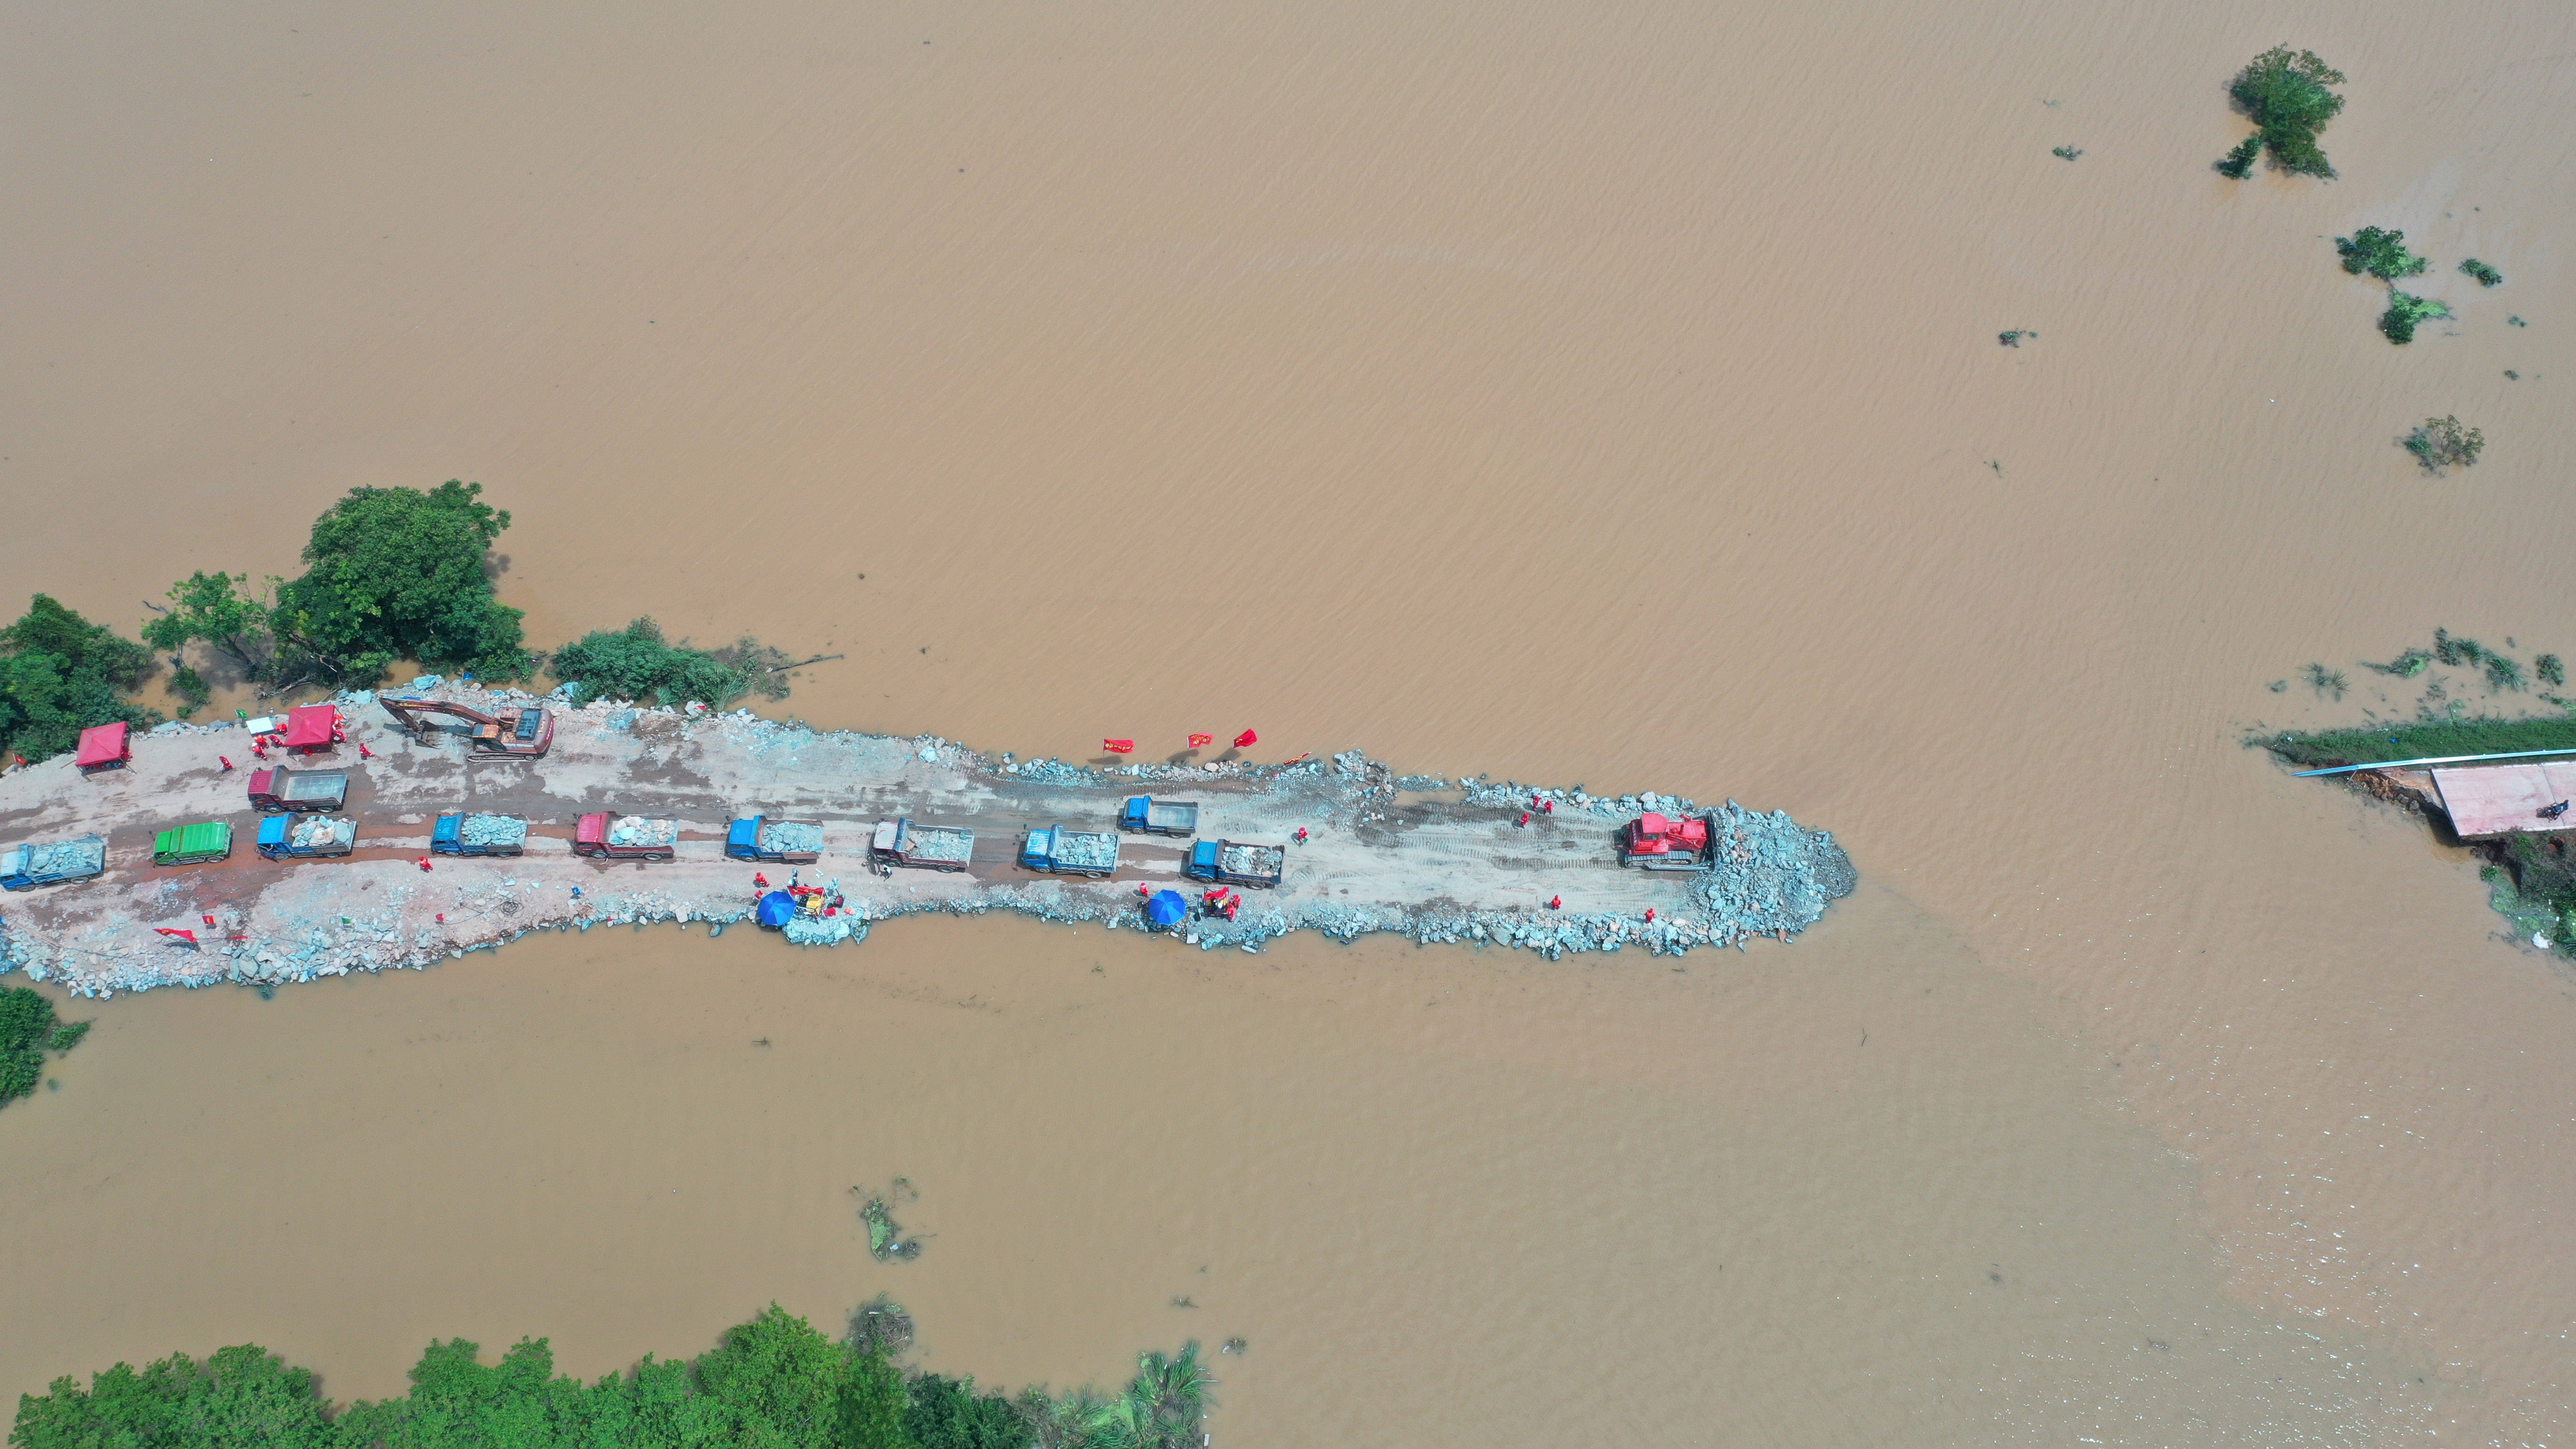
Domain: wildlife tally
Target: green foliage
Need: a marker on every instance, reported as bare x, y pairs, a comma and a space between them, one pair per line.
2404, 666
2014, 337
212, 609
26, 1029
67, 1035
2440, 443
2515, 322
2503, 673
2065, 153
944, 1413
2325, 681
398, 573
771, 1383
60, 674
2285, 94
192, 689
2551, 672
637, 663
2487, 276
2239, 163
2379, 252
2397, 324
2456, 651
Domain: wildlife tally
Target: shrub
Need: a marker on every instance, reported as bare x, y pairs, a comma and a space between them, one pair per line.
2014, 337
2326, 681
2379, 252
2487, 276
60, 674
2440, 443
2239, 163
2065, 153
2404, 311
637, 663
27, 1030
2284, 93
2551, 672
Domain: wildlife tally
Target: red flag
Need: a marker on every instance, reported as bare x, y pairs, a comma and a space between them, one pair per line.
210, 920
1246, 740
1197, 740
1301, 759
188, 936
1119, 747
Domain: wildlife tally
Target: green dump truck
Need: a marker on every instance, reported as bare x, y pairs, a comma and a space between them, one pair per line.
193, 844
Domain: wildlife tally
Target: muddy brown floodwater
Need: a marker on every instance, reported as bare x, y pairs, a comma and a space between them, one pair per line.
1603, 393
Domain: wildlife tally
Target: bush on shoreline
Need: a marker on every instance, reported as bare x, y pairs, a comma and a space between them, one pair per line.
27, 1031
772, 1381
60, 674
637, 663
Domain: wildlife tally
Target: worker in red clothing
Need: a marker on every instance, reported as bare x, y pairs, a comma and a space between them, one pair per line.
225, 761
1301, 835
364, 753
759, 880
424, 863
1650, 915
1556, 903
1547, 807
1524, 820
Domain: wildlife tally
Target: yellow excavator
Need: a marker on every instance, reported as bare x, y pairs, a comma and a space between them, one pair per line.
520, 734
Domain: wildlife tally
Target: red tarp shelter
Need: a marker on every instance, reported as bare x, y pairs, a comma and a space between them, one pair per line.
309, 726
101, 746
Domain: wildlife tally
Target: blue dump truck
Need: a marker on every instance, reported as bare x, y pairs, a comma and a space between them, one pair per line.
1070, 852
301, 837
779, 842
1159, 817
29, 865
478, 834
1231, 862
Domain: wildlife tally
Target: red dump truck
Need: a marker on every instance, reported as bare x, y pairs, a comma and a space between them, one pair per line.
300, 790
626, 837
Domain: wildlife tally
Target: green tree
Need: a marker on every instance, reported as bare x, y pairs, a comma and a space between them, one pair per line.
945, 1413
2405, 310
2284, 93
60, 674
398, 573
243, 1398
2380, 252
637, 663
213, 610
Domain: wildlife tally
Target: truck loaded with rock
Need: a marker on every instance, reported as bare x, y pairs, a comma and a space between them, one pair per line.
628, 818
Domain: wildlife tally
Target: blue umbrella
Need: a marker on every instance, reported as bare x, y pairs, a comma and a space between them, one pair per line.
1166, 910
776, 909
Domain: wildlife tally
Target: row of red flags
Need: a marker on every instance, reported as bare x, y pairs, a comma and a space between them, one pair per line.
1243, 741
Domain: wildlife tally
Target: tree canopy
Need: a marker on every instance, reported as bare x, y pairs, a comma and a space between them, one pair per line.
2284, 92
398, 573
60, 674
774, 1382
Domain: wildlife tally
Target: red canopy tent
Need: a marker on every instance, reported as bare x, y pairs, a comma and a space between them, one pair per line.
309, 726
103, 746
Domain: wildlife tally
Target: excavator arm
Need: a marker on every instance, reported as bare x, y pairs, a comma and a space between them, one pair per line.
518, 735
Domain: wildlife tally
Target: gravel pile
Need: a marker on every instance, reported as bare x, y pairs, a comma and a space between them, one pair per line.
312, 831
1259, 860
58, 857
489, 830
790, 837
1086, 849
630, 830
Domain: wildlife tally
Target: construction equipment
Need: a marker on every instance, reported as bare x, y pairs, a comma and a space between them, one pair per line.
28, 865
193, 844
626, 837
524, 733
1054, 849
780, 842
1159, 817
298, 790
461, 834
1668, 842
932, 847
306, 835
1232, 862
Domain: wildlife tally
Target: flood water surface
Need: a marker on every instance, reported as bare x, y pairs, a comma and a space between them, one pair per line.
1605, 394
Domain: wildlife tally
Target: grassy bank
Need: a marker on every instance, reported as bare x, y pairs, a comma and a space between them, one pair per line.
2424, 739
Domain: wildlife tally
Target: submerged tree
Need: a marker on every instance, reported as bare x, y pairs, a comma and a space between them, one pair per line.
212, 609
2380, 252
2439, 444
2486, 276
2405, 309
2284, 93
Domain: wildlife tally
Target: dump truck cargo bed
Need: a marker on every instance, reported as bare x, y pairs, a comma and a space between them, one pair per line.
34, 863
